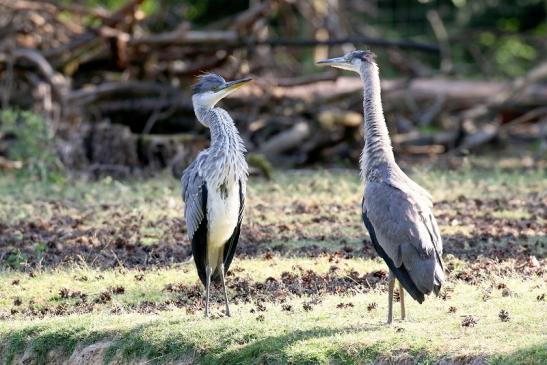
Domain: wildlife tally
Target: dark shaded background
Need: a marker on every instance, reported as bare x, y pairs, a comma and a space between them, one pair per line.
111, 79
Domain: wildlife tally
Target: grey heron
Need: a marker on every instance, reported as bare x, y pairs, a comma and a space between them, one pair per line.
214, 185
397, 212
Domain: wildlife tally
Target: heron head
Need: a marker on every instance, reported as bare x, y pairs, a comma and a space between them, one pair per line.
211, 87
352, 61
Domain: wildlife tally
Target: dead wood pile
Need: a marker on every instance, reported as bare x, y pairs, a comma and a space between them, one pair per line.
117, 94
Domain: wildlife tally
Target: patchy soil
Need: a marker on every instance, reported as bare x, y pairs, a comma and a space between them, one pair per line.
297, 283
122, 238
64, 239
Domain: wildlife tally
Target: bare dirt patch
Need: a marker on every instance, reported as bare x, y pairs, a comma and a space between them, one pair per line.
120, 239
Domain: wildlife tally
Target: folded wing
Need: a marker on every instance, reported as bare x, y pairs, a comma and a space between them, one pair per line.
406, 232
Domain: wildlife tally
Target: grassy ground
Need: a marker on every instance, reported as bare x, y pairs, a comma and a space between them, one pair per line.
106, 263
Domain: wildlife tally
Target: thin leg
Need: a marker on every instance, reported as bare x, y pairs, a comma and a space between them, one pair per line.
208, 273
402, 298
224, 288
391, 286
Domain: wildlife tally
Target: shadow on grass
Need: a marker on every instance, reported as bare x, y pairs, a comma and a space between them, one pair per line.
162, 341
276, 349
138, 344
141, 342
43, 338
533, 355
272, 349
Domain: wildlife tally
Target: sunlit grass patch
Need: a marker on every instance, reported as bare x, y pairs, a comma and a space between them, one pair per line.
325, 333
512, 214
449, 185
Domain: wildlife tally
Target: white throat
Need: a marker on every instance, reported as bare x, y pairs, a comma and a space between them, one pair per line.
206, 100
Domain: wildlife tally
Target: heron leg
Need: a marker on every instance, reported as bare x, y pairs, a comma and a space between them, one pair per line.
224, 288
208, 273
402, 299
391, 286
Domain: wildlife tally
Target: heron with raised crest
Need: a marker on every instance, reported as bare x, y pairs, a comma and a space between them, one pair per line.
214, 185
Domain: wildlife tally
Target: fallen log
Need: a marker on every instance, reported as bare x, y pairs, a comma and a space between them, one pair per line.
91, 94
456, 94
6, 164
286, 140
514, 92
57, 81
510, 95
183, 37
415, 138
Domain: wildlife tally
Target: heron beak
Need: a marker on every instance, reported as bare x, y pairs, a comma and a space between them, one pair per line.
337, 61
234, 85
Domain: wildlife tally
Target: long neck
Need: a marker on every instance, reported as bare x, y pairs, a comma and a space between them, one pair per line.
227, 148
225, 137
377, 152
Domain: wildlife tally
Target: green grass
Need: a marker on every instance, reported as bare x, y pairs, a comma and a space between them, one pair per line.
296, 210
323, 334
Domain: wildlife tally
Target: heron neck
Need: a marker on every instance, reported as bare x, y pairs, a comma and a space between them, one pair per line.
227, 151
377, 152
225, 138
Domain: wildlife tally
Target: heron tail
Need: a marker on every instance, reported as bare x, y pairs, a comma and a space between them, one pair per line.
439, 277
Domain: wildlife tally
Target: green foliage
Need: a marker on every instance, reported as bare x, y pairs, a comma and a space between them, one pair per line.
30, 141
16, 259
513, 56
505, 38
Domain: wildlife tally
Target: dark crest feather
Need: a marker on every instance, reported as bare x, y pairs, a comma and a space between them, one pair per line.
366, 55
207, 82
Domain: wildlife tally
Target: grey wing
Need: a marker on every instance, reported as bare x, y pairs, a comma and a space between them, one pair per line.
192, 183
404, 234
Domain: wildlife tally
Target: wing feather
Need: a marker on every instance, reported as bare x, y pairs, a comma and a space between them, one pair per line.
192, 186
403, 233
194, 194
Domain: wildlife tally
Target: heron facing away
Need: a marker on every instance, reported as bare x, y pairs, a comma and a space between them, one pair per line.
397, 212
214, 185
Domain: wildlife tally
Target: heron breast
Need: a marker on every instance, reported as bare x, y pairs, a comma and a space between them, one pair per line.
222, 215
